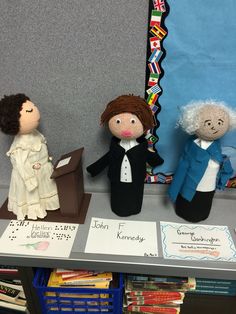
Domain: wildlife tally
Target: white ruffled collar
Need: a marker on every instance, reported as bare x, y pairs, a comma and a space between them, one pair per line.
32, 141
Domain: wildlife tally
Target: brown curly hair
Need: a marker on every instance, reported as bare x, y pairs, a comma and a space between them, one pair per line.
10, 107
132, 104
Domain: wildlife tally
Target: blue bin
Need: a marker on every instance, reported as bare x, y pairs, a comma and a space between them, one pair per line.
80, 300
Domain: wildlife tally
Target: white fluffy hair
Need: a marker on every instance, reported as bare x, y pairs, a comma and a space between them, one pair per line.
189, 120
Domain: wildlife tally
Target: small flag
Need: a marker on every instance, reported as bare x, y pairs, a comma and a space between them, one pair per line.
161, 178
154, 89
151, 179
155, 18
153, 79
154, 108
169, 178
152, 99
155, 56
154, 67
155, 43
158, 32
151, 105
152, 139
159, 5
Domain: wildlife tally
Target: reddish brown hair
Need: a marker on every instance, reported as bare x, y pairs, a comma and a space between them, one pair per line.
132, 104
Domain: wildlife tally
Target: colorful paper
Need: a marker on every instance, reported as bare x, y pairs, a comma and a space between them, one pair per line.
197, 242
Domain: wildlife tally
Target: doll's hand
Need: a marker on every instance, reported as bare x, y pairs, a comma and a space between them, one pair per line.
90, 171
31, 184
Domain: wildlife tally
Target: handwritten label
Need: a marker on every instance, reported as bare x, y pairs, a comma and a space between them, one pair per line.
197, 242
38, 238
122, 237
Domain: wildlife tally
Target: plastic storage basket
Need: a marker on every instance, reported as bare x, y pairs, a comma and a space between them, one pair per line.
67, 300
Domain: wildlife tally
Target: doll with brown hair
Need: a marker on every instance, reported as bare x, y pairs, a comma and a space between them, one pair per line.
128, 118
202, 167
31, 191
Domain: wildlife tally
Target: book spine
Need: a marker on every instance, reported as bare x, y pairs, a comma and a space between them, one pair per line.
214, 287
158, 279
153, 309
154, 302
8, 291
12, 306
160, 298
173, 294
216, 282
214, 292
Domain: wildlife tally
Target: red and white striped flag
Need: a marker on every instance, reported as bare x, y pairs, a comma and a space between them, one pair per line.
154, 67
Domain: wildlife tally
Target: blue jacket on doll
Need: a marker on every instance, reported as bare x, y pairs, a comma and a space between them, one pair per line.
192, 166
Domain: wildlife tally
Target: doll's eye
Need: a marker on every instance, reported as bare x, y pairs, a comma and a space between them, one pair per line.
220, 122
132, 120
207, 122
31, 110
118, 121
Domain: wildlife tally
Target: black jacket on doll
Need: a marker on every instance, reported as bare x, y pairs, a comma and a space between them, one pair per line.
126, 198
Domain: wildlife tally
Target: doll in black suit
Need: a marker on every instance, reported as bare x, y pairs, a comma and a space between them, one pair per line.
128, 118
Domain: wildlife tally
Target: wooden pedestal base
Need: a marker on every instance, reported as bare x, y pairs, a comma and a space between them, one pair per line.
54, 215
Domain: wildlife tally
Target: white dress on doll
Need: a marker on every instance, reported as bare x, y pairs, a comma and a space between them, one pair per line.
31, 192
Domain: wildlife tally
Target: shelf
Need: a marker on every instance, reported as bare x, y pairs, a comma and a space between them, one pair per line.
155, 208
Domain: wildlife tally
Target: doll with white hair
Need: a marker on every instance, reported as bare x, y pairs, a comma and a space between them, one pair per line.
202, 167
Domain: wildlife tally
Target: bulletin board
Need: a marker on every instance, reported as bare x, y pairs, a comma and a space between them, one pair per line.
71, 58
198, 63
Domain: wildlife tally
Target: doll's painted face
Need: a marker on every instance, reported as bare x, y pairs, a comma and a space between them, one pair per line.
29, 117
126, 126
214, 123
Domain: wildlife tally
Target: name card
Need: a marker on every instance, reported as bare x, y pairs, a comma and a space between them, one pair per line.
197, 242
122, 237
38, 238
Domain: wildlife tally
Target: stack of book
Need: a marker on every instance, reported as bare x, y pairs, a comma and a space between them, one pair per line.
8, 270
215, 287
80, 279
156, 294
12, 297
